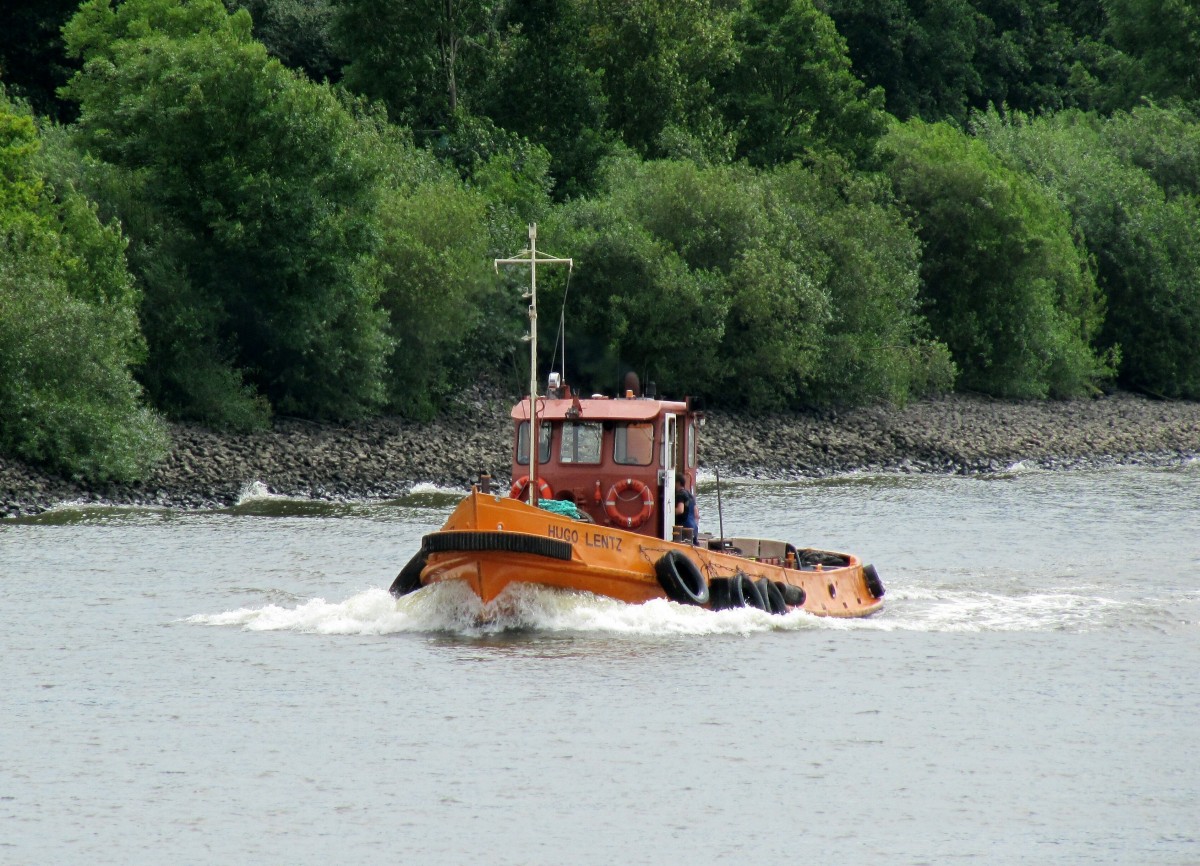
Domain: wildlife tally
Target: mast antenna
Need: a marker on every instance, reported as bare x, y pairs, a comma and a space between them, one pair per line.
530, 257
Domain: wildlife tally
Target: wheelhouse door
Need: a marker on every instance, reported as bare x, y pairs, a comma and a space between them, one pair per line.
667, 476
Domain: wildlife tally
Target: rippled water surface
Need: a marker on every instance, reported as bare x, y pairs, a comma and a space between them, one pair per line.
238, 686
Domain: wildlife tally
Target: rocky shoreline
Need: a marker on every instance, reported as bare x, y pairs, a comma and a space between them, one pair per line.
383, 458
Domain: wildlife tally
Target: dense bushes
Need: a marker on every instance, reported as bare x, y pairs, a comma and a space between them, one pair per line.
435, 272
876, 344
250, 203
791, 90
1004, 285
759, 289
748, 222
68, 325
1129, 186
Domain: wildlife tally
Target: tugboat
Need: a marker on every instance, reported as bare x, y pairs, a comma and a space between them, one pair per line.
601, 504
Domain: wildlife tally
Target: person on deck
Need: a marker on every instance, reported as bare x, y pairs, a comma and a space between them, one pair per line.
685, 506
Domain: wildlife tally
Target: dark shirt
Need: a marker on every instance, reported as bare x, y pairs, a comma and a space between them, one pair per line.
688, 517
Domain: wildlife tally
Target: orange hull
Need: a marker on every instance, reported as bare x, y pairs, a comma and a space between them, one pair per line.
490, 541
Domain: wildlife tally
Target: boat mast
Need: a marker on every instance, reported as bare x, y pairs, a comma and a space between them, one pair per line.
530, 257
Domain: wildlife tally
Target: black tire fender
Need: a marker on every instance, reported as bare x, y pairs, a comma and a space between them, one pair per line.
466, 541
681, 578
409, 578
744, 593
718, 593
772, 596
874, 584
792, 595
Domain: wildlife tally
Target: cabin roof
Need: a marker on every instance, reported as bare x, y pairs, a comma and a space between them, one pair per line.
600, 409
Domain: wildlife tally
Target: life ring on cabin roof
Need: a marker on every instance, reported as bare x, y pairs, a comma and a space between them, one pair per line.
518, 489
614, 494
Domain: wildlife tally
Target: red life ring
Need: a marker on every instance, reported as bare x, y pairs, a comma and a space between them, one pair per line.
517, 491
614, 492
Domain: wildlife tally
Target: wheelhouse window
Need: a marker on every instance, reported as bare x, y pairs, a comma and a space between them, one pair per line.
691, 444
580, 442
523, 443
633, 444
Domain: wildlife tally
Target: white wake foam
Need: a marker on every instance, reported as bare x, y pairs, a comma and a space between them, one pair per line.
255, 491
951, 609
427, 487
452, 607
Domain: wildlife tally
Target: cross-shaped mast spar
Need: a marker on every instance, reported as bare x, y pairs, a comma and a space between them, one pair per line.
531, 258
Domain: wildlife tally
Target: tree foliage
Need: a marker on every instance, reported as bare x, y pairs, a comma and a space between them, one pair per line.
434, 267
658, 60
1004, 284
921, 54
940, 60
424, 59
747, 220
1146, 244
298, 32
1162, 142
792, 91
542, 89
33, 64
68, 327
1160, 40
876, 345
249, 202
759, 289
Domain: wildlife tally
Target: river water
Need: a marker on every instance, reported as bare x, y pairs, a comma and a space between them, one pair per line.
238, 687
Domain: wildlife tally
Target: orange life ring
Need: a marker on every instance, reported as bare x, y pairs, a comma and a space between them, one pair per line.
517, 491
610, 503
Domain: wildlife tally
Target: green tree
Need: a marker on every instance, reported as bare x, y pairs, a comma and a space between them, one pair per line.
68, 325
435, 270
763, 289
1146, 245
792, 90
940, 60
1163, 142
765, 305
542, 90
33, 64
298, 32
1026, 55
633, 303
250, 199
922, 53
423, 59
875, 344
1161, 43
659, 59
1005, 286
